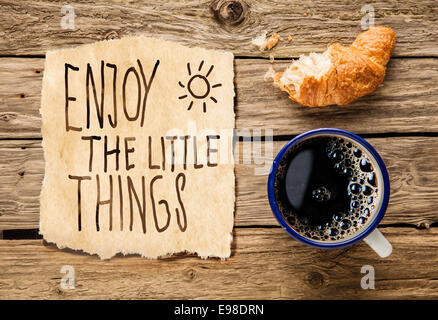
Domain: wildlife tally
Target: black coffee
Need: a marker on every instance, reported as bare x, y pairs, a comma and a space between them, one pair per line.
326, 188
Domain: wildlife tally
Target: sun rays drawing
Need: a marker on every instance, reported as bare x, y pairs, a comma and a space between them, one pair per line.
198, 87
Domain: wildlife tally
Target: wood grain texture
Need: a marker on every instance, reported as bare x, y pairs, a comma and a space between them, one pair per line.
406, 102
412, 167
30, 269
22, 167
411, 163
20, 97
30, 28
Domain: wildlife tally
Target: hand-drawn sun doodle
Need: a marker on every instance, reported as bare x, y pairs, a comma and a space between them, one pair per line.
199, 87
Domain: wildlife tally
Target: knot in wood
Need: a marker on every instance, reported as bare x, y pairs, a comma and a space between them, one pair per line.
315, 280
7, 117
111, 35
191, 274
230, 12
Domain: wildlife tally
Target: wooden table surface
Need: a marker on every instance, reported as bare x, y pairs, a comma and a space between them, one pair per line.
400, 119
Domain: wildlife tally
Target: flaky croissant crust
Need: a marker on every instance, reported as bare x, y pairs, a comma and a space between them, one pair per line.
355, 71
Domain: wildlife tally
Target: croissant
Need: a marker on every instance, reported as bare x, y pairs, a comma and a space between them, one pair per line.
340, 74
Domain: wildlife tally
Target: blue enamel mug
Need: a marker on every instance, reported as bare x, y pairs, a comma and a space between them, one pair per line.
367, 231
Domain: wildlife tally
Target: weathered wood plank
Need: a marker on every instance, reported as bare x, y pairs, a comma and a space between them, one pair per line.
23, 165
406, 102
28, 27
411, 164
30, 269
412, 167
20, 97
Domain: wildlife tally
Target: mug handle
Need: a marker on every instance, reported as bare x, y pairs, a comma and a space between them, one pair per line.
379, 243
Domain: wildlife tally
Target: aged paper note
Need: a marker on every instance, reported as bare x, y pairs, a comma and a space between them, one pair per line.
137, 138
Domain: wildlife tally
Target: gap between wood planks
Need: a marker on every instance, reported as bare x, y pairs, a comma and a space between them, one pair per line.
42, 56
26, 234
286, 138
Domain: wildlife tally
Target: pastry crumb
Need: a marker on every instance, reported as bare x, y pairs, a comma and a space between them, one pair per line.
289, 38
265, 43
272, 41
260, 41
271, 58
269, 74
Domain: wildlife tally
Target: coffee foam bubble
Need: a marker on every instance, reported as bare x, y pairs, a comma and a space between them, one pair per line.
348, 159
